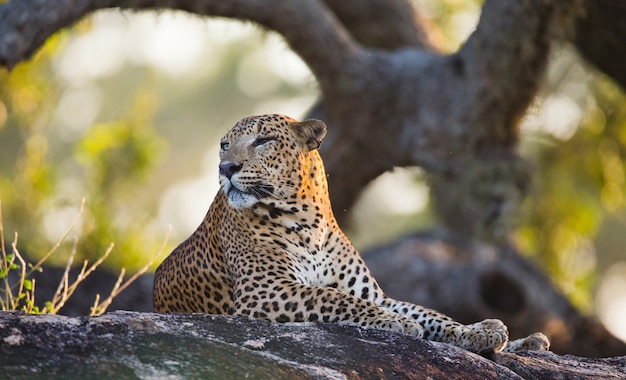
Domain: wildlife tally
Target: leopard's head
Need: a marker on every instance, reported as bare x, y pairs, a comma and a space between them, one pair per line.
267, 159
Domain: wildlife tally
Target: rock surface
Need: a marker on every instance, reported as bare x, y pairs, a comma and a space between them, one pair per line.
131, 345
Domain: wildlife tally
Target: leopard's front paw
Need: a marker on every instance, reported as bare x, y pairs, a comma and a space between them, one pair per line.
484, 336
535, 342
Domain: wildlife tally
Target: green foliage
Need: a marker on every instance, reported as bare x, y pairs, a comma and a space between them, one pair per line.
27, 177
112, 158
579, 187
113, 152
116, 159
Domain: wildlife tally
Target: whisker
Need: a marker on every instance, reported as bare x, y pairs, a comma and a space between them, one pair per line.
267, 190
255, 192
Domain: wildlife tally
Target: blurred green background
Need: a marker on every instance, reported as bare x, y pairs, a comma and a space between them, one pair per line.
126, 109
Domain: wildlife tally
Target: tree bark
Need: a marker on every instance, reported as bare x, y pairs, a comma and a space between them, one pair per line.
401, 106
386, 25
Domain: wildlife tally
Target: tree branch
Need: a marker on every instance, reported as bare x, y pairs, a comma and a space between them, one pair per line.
26, 25
382, 24
309, 28
505, 58
441, 112
499, 70
418, 108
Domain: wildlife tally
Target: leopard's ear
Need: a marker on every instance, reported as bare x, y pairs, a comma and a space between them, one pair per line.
311, 132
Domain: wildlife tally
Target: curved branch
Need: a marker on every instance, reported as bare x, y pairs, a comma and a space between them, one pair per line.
26, 25
506, 57
309, 28
455, 115
382, 24
499, 69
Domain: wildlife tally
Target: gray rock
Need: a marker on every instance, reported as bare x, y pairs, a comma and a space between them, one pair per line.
132, 345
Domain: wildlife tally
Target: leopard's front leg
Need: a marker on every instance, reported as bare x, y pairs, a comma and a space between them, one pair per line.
487, 335
289, 301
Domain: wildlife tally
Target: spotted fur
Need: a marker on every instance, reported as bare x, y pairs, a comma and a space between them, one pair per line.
270, 248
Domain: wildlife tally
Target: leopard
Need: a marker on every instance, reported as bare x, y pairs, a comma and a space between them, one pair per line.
270, 248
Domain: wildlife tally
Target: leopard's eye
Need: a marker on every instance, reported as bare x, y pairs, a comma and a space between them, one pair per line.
224, 145
262, 140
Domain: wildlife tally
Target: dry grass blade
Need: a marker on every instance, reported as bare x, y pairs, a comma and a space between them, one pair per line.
59, 299
62, 295
5, 264
29, 306
99, 309
9, 301
22, 279
25, 286
63, 238
22, 292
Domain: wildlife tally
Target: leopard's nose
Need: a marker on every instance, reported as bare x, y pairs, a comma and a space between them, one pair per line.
228, 169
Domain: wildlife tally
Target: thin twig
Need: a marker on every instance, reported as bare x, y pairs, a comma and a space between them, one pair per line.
58, 244
26, 287
61, 295
95, 304
7, 264
82, 275
17, 255
99, 309
30, 299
